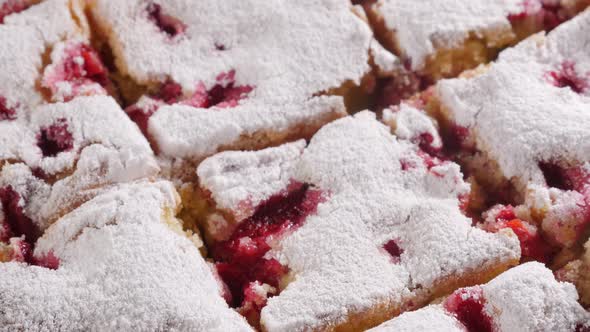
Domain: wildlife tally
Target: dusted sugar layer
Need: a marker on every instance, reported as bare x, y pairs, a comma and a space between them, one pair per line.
441, 39
68, 152
122, 266
245, 75
371, 207
526, 118
525, 298
421, 28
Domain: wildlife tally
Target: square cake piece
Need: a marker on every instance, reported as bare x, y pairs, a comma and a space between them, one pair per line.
65, 154
118, 262
294, 228
238, 74
525, 298
47, 57
521, 125
440, 39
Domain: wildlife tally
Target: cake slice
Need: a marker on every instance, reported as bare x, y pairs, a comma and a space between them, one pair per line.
520, 126
294, 229
441, 39
239, 74
525, 298
47, 57
120, 262
65, 155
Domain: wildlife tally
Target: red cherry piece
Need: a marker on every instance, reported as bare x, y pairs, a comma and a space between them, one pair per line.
55, 139
468, 306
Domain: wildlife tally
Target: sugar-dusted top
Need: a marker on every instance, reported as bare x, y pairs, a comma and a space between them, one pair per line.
528, 298
239, 181
431, 318
25, 37
271, 45
422, 27
121, 268
377, 189
272, 49
531, 105
81, 145
525, 298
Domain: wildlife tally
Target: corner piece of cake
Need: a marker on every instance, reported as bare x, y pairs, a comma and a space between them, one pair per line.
345, 232
63, 156
525, 298
440, 39
117, 262
46, 56
521, 127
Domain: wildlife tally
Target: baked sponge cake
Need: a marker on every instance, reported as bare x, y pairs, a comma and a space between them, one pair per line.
525, 298
520, 125
62, 156
293, 228
47, 57
121, 264
238, 74
440, 39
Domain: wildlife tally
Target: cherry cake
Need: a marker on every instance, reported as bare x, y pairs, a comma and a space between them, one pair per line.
440, 39
65, 154
525, 298
240, 75
275, 225
308, 165
520, 126
121, 263
46, 56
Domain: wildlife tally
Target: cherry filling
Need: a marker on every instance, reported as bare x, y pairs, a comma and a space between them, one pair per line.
532, 244
55, 139
392, 91
11, 7
168, 24
468, 306
17, 225
457, 139
567, 77
394, 250
549, 13
81, 67
240, 259
224, 94
6, 113
565, 178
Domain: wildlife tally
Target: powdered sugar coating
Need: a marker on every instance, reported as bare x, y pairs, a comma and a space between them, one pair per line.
268, 44
432, 318
25, 37
54, 20
422, 27
235, 179
173, 127
20, 62
517, 115
273, 47
106, 148
121, 268
411, 123
525, 298
371, 200
528, 298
